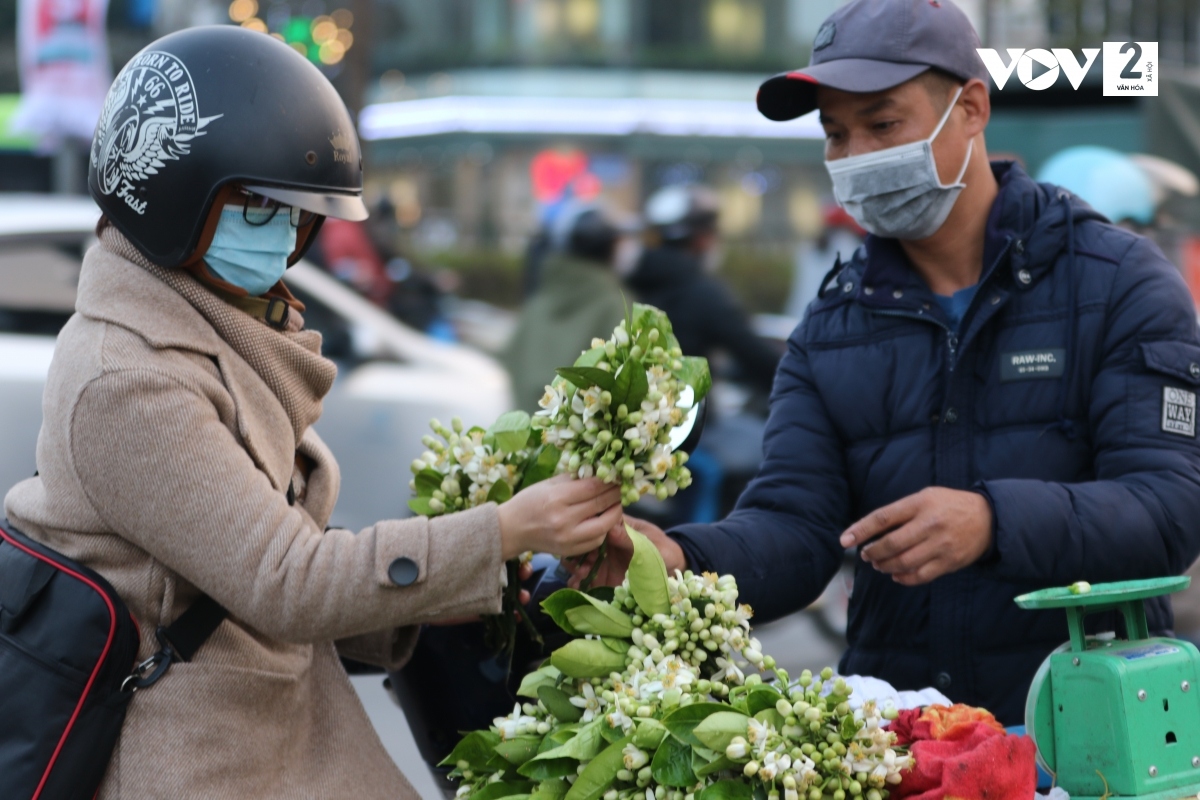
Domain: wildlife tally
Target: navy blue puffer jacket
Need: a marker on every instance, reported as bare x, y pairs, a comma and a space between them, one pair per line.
1067, 397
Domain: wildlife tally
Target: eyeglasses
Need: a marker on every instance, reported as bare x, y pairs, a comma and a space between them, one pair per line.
258, 210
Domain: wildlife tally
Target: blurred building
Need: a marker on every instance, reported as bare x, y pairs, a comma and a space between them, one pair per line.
481, 114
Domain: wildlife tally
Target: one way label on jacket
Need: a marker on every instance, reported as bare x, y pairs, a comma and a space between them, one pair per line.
1025, 365
1179, 411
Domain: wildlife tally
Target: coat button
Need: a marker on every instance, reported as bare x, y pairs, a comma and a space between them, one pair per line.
1019, 246
1194, 368
898, 294
868, 290
403, 571
995, 299
951, 416
1024, 277
848, 288
942, 681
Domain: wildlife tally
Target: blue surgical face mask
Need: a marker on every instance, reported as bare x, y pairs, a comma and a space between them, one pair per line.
896, 192
253, 257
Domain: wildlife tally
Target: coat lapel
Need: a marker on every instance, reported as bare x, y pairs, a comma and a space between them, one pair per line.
117, 291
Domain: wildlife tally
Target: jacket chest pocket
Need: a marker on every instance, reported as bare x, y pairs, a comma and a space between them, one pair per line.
1024, 375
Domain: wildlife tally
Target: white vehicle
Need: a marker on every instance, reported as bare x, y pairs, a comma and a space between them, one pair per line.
391, 379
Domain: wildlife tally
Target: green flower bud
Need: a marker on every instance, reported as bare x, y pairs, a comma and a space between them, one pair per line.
784, 708
624, 775
751, 769
806, 678
855, 788
826, 674
622, 411
635, 352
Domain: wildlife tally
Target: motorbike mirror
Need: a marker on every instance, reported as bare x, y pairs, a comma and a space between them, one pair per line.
687, 435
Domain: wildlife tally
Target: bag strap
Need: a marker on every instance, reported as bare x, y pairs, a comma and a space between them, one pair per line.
178, 641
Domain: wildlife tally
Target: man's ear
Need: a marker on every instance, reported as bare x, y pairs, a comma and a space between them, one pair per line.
977, 105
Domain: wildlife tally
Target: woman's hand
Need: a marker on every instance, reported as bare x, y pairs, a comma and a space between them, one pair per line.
562, 516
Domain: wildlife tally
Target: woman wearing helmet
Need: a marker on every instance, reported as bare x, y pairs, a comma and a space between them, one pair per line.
177, 456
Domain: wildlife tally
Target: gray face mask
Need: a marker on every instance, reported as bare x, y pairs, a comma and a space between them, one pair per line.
896, 193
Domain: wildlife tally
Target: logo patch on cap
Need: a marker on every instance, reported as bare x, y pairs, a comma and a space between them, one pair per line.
825, 36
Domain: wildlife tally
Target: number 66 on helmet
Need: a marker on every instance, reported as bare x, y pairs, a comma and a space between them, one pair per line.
205, 110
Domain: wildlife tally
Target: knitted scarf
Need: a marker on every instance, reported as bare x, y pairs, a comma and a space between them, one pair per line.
289, 361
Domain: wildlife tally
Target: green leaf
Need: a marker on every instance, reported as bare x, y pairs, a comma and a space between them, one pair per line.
599, 775
617, 645
649, 733
559, 704
420, 506
590, 358
672, 764
499, 789
716, 765
428, 481
548, 769
682, 721
849, 728
580, 614
511, 431
587, 377
610, 733
545, 676
476, 749
631, 386
583, 746
727, 790
500, 492
695, 373
587, 658
717, 730
541, 465
762, 698
551, 790
648, 576
600, 619
519, 750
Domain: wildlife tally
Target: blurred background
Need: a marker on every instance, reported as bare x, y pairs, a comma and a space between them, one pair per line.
531, 166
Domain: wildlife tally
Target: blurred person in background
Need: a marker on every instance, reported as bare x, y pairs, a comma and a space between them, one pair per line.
676, 273
578, 299
840, 236
366, 256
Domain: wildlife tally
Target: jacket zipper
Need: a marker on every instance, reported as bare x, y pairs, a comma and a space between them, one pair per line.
952, 336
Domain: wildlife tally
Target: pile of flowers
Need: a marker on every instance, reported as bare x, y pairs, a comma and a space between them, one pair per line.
610, 415
664, 694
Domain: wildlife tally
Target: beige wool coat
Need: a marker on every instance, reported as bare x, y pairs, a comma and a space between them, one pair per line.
163, 461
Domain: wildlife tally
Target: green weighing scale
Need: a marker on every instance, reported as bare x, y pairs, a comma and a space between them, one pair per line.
1117, 718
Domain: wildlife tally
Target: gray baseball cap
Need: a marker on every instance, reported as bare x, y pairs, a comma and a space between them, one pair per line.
872, 45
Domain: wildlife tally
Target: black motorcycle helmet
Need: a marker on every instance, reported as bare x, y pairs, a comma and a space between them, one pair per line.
204, 110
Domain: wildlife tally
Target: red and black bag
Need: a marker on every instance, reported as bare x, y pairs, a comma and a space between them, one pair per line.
68, 647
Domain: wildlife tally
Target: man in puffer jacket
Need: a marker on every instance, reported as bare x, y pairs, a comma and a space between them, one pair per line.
1000, 386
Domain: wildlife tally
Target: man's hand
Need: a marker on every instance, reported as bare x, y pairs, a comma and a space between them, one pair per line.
925, 535
620, 549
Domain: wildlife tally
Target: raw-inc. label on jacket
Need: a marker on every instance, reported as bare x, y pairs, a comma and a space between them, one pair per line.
1024, 365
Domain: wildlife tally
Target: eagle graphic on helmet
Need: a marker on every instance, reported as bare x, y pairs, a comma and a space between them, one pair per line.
149, 118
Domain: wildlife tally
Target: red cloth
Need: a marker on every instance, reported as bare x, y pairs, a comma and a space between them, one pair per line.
963, 752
